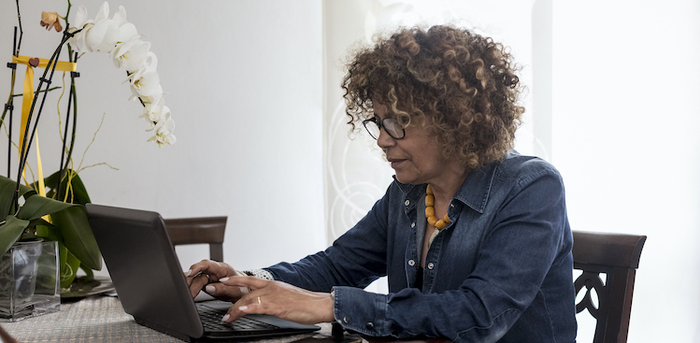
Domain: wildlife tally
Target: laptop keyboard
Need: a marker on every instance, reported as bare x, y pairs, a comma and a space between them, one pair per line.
211, 319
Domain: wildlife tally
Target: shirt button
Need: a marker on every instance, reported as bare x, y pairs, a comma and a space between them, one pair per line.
452, 205
370, 325
346, 320
407, 202
431, 265
411, 263
413, 224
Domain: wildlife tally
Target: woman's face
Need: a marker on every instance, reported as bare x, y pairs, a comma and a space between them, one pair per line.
416, 158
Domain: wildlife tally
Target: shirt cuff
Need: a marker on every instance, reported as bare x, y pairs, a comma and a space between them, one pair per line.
361, 311
260, 274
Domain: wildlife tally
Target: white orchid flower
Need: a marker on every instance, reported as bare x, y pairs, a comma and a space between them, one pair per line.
150, 99
103, 36
145, 81
81, 17
150, 63
127, 30
155, 111
147, 84
78, 41
160, 122
163, 139
131, 55
81, 22
120, 16
103, 12
164, 130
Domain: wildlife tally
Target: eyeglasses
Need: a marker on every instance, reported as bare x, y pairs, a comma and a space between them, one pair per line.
390, 125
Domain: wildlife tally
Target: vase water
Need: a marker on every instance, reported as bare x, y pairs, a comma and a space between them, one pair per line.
29, 280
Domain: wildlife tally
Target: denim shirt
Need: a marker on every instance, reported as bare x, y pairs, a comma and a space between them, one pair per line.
500, 271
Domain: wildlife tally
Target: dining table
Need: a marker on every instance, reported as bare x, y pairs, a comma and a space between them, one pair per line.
101, 318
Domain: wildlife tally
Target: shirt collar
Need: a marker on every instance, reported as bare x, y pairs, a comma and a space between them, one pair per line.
475, 189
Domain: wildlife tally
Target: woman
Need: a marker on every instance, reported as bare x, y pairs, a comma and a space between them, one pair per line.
473, 237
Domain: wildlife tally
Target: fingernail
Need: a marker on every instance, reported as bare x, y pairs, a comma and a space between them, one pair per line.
189, 272
210, 289
245, 290
224, 279
243, 308
225, 318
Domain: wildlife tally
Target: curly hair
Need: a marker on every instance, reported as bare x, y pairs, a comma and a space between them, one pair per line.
460, 85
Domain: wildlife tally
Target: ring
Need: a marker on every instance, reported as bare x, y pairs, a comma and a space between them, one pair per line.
259, 300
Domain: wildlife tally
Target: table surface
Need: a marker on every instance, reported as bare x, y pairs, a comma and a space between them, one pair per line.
101, 319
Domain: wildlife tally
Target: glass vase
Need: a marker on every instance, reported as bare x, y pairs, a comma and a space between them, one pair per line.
29, 280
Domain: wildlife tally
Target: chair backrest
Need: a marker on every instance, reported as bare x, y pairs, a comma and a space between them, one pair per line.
616, 256
203, 230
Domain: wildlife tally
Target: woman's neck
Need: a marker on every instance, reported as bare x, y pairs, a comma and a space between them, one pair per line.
445, 187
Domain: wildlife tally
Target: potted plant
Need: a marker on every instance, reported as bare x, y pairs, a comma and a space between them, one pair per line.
52, 208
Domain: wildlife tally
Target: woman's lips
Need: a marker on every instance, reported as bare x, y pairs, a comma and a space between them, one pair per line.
395, 162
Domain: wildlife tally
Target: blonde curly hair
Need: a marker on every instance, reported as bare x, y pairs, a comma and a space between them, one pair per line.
464, 84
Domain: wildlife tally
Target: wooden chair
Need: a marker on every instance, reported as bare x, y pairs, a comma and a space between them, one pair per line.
617, 256
203, 230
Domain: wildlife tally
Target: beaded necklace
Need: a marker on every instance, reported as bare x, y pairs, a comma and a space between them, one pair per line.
430, 214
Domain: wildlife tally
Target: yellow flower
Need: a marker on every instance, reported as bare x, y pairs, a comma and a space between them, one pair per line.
50, 20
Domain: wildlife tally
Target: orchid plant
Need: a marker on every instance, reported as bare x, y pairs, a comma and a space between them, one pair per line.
57, 214
120, 39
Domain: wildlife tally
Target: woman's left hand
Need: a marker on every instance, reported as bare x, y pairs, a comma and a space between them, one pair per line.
279, 299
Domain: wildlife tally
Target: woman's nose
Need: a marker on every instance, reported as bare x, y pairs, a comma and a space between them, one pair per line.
384, 140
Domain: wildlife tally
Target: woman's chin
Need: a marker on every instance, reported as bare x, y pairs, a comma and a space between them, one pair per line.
407, 179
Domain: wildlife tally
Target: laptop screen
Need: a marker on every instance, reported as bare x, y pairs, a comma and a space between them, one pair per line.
148, 278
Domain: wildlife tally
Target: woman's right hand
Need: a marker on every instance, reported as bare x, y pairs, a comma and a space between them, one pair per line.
206, 274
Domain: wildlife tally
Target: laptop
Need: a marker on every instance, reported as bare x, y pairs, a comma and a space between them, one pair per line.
149, 280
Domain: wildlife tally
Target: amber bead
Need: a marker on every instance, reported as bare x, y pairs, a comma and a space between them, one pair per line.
440, 224
432, 221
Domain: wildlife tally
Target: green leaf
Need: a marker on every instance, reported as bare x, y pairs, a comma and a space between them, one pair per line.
49, 232
7, 189
77, 235
38, 206
10, 232
79, 194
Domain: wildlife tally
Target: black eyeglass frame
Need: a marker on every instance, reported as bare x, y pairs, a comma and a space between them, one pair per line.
380, 125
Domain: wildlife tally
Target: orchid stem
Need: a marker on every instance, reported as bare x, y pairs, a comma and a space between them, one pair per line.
40, 91
21, 32
72, 99
27, 143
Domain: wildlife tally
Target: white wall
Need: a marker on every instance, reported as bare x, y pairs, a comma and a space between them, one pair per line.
625, 137
244, 83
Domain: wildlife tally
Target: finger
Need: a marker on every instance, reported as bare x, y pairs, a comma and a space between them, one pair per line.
196, 283
221, 291
245, 281
208, 267
253, 308
246, 305
197, 268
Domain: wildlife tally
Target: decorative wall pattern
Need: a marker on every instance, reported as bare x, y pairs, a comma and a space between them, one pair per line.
357, 174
